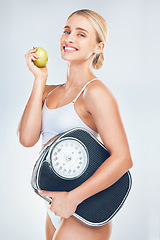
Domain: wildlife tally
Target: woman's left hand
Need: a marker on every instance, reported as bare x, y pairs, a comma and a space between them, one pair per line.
63, 204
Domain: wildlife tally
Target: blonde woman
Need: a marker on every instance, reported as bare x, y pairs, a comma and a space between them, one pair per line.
82, 101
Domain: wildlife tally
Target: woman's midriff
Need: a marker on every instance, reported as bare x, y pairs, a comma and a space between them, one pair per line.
51, 140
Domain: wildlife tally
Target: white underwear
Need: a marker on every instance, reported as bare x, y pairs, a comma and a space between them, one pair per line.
55, 219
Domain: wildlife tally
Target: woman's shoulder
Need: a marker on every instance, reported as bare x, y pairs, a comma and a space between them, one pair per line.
98, 89
100, 96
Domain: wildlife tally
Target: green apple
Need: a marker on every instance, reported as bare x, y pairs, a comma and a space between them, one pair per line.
43, 57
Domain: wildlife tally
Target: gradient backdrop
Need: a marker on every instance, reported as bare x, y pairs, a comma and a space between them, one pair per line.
131, 73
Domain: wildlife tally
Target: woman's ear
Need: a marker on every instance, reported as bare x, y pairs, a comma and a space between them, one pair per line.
99, 48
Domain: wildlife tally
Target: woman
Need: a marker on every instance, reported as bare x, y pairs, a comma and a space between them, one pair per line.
82, 101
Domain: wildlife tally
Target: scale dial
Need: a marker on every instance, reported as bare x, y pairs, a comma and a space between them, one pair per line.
69, 158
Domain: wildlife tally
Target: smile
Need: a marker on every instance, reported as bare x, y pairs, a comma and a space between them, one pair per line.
67, 48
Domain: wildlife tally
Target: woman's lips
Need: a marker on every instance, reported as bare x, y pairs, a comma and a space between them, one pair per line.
68, 48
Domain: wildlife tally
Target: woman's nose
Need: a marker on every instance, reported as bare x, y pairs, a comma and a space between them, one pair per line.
67, 41
70, 38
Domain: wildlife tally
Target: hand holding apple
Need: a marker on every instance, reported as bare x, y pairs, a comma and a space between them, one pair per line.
43, 57
38, 72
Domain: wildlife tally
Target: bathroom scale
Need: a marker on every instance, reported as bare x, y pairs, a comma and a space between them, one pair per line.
70, 160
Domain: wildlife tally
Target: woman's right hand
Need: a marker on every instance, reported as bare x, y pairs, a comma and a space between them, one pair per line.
30, 56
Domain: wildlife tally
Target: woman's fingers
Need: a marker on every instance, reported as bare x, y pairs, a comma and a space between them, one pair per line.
30, 57
32, 50
46, 193
36, 56
33, 58
33, 54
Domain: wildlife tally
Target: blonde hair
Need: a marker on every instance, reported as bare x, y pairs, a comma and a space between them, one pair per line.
101, 28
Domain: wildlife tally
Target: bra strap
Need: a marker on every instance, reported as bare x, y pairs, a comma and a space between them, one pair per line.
52, 91
83, 89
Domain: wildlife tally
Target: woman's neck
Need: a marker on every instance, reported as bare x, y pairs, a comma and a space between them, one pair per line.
78, 75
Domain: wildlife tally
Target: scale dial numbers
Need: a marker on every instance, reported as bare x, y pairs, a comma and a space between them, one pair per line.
69, 158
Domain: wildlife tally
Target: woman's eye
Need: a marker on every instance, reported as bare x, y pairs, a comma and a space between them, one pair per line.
81, 35
67, 32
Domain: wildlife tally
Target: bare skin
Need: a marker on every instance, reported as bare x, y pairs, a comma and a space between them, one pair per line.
71, 228
49, 228
104, 118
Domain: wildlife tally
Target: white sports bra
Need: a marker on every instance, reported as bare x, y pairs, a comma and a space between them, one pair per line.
58, 120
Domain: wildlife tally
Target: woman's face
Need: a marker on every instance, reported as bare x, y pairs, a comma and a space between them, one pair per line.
78, 41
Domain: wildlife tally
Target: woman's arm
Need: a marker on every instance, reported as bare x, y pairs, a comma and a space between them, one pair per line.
109, 125
30, 124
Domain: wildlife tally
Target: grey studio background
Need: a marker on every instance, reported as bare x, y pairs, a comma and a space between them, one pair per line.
131, 73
